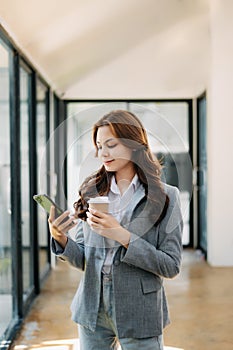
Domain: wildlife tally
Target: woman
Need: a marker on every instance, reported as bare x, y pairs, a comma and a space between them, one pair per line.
126, 253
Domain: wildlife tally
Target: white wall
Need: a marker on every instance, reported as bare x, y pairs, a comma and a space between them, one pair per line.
220, 135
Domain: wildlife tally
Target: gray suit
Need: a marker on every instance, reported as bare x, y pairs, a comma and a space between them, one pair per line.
154, 252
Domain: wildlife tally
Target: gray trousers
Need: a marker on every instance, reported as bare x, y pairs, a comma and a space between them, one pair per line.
105, 336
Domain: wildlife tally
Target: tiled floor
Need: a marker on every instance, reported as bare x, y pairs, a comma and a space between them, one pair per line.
200, 299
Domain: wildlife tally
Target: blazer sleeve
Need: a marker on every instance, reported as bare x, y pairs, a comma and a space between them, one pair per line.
74, 251
164, 258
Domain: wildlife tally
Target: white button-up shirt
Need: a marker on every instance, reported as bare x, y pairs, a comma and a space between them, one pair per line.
117, 206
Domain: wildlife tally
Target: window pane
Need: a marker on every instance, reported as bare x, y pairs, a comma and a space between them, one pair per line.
81, 160
25, 183
5, 218
42, 175
167, 125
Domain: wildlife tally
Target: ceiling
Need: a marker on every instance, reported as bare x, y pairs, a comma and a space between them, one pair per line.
115, 48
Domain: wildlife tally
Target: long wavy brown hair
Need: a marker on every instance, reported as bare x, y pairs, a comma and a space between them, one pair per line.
128, 128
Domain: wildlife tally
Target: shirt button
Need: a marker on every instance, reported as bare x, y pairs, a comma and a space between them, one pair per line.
116, 262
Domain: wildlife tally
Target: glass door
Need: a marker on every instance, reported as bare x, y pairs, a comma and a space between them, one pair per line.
81, 160
27, 259
202, 174
168, 125
42, 174
6, 298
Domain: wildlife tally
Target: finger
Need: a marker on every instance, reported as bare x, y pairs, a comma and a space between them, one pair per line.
93, 218
98, 213
92, 224
67, 225
61, 217
52, 214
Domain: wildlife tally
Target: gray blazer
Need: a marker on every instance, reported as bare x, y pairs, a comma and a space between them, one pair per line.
154, 252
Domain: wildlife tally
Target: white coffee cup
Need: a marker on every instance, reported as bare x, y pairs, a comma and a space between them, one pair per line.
99, 203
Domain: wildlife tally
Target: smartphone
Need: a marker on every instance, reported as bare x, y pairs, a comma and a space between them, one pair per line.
46, 202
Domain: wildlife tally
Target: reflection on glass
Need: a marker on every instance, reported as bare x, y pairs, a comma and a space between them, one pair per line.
80, 152
202, 174
25, 183
167, 125
41, 175
5, 218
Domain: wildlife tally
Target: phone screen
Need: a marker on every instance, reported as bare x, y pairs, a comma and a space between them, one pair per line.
46, 202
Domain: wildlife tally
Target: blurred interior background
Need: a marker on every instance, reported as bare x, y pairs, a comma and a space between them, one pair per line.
62, 65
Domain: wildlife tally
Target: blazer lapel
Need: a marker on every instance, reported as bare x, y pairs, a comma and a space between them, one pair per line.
137, 196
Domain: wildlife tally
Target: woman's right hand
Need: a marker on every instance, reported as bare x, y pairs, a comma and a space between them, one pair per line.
58, 229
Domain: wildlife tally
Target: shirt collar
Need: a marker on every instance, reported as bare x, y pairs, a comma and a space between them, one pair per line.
134, 183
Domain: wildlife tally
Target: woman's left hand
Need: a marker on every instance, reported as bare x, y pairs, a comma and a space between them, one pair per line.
107, 226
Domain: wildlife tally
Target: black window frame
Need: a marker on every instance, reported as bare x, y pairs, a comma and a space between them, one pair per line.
21, 307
